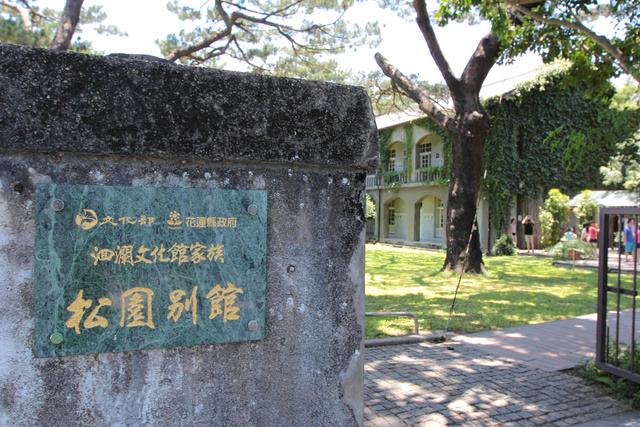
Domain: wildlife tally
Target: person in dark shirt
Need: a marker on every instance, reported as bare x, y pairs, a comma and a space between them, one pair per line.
528, 232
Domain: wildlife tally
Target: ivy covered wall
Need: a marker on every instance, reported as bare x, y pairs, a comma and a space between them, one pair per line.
526, 149
530, 131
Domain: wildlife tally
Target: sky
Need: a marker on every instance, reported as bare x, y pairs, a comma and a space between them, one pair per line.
145, 21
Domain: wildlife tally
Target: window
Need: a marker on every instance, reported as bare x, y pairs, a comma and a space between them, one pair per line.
425, 155
440, 218
392, 213
392, 160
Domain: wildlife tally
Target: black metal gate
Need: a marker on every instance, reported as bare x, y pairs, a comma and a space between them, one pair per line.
616, 350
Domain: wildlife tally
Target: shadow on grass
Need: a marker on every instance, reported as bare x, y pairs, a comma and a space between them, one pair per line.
476, 311
519, 290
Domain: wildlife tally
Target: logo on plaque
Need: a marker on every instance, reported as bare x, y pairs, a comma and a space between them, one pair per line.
87, 219
131, 268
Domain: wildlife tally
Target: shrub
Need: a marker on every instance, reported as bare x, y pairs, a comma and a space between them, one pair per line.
504, 246
561, 249
618, 387
587, 209
371, 207
553, 215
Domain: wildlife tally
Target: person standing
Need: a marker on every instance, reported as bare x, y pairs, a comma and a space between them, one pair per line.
513, 231
593, 235
528, 232
585, 232
638, 244
629, 239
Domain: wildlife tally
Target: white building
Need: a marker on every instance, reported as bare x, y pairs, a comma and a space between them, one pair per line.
410, 190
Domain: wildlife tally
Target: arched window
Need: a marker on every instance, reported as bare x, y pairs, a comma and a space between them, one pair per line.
425, 155
391, 166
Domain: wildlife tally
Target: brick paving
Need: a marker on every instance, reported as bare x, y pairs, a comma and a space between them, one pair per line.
426, 384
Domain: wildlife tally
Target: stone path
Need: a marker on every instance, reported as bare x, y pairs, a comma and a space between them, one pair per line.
614, 261
457, 384
551, 346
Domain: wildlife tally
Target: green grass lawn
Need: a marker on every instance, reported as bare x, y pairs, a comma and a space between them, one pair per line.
518, 290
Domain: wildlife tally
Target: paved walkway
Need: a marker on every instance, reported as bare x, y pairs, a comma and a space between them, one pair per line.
551, 346
591, 263
507, 377
456, 384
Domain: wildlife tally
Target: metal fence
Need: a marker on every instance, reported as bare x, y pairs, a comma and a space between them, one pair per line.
616, 341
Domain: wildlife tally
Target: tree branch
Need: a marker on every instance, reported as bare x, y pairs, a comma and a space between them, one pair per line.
480, 63
266, 15
424, 23
22, 11
414, 92
601, 41
217, 51
233, 20
223, 13
67, 26
188, 50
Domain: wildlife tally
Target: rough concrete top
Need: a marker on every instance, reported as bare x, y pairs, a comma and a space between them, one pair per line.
66, 102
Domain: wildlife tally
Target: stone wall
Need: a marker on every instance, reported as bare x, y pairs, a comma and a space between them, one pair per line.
76, 119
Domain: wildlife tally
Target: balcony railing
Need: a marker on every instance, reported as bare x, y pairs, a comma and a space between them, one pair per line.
393, 178
429, 174
372, 181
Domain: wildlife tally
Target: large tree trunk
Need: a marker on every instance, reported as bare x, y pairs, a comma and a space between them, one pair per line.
467, 145
67, 25
467, 132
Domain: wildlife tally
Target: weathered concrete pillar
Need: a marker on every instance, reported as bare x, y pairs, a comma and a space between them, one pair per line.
208, 178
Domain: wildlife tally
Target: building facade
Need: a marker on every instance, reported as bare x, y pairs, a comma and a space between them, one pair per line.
411, 187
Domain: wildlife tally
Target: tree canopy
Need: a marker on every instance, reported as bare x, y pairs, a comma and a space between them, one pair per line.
290, 38
556, 29
286, 38
561, 29
623, 169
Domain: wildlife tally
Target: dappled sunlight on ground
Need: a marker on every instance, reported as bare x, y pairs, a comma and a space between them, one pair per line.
441, 384
520, 290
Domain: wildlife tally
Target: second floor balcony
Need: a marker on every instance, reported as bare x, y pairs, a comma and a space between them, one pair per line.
426, 176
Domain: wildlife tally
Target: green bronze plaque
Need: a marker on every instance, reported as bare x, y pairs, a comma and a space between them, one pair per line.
133, 268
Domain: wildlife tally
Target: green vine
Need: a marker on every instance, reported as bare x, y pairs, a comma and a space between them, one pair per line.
385, 140
530, 131
408, 146
392, 178
439, 171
